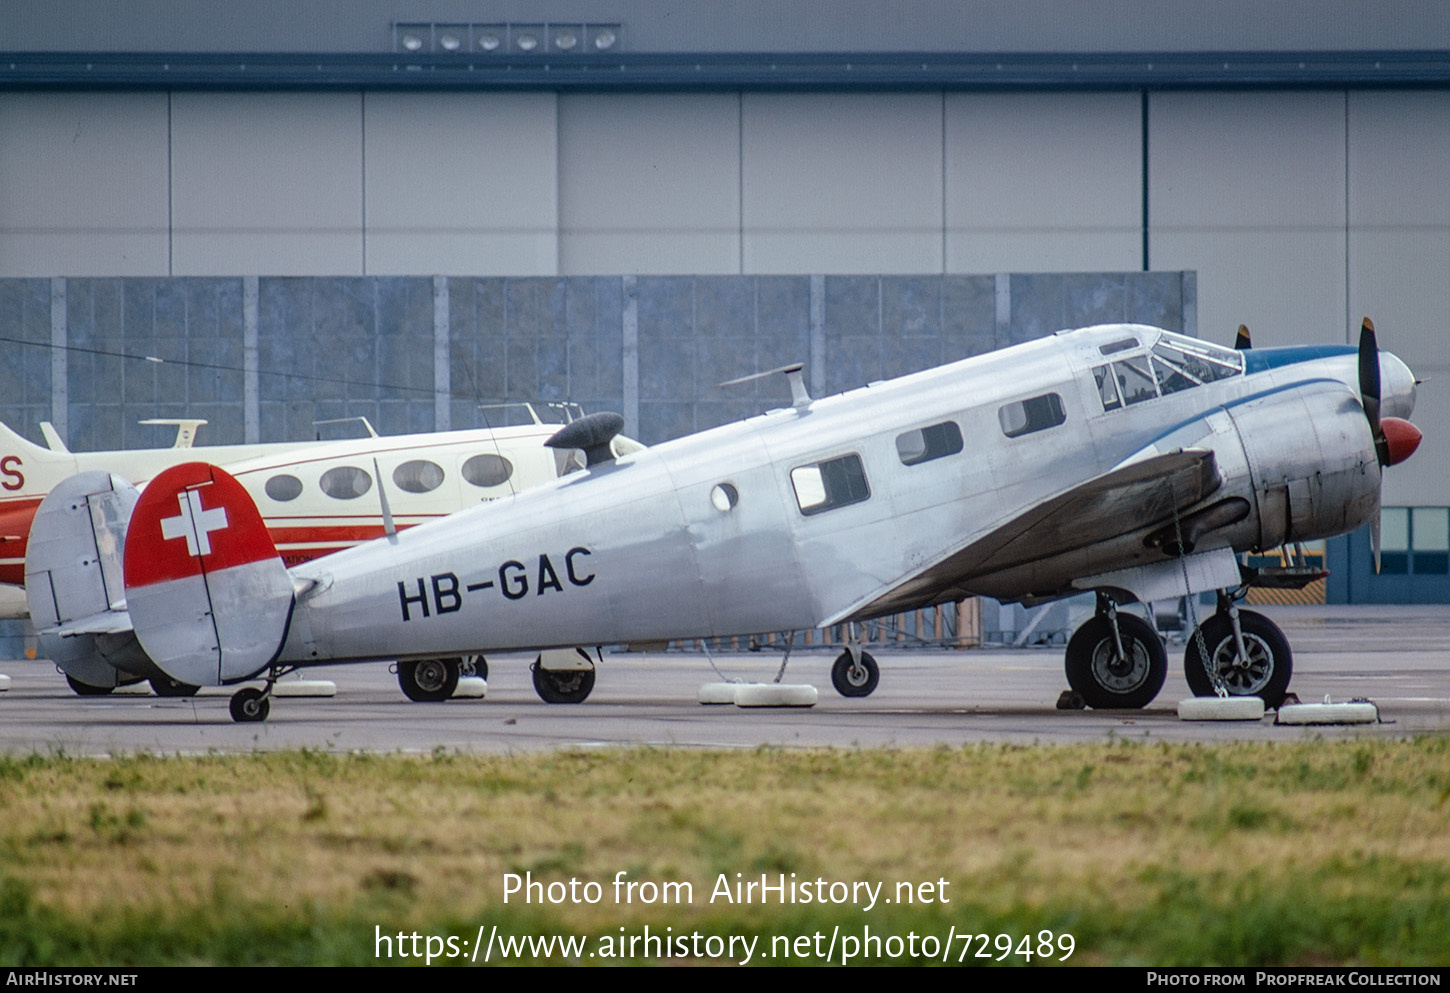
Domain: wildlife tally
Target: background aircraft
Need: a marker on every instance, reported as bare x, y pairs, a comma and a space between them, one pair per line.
1122, 459
315, 498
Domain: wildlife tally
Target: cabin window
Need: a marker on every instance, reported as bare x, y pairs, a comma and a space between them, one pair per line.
283, 488
418, 476
487, 470
924, 444
824, 486
346, 482
1035, 414
1135, 382
724, 497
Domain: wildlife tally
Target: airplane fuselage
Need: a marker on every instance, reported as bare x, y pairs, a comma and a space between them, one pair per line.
837, 510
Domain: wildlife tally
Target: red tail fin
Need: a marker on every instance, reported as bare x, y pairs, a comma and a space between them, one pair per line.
208, 596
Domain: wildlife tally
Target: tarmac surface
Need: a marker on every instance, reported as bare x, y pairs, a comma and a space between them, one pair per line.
1399, 657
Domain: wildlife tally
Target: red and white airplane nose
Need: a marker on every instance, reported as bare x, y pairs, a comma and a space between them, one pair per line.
1401, 439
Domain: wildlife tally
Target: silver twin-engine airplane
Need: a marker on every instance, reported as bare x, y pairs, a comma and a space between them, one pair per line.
1121, 459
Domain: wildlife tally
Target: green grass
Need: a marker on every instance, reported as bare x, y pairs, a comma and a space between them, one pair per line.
1311, 853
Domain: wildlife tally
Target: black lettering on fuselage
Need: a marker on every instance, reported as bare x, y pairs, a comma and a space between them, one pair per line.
515, 584
548, 578
421, 599
574, 577
445, 597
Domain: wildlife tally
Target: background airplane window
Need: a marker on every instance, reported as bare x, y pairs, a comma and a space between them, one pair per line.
1035, 414
827, 485
418, 476
346, 482
925, 444
487, 470
283, 488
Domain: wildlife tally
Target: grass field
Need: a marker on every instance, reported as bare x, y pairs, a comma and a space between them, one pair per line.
1312, 854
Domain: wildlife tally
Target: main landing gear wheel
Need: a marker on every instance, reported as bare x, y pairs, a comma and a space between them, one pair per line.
853, 679
1266, 671
249, 705
562, 685
428, 680
86, 689
166, 686
1107, 679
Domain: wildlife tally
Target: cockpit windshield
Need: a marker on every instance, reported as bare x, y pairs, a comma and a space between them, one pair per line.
1173, 363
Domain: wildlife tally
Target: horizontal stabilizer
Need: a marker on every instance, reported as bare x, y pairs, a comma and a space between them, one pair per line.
209, 598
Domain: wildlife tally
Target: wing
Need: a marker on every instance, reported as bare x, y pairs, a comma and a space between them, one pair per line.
1039, 545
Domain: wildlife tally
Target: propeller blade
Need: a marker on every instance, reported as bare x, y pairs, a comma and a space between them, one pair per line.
1369, 375
1374, 540
1242, 341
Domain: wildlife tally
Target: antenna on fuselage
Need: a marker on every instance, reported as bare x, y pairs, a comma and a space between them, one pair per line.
799, 398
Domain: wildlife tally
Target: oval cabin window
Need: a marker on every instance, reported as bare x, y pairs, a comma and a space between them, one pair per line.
418, 476
346, 482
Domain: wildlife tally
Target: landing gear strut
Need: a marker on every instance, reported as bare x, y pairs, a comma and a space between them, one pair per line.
1248, 653
1116, 660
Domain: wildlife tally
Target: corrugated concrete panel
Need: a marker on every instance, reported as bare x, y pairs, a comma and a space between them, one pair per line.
1248, 189
1043, 182
649, 183
267, 183
459, 183
836, 183
83, 184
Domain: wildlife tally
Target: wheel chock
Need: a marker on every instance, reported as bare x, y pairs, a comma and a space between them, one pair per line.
1215, 708
1328, 712
304, 687
775, 695
4, 683
471, 688
140, 688
715, 693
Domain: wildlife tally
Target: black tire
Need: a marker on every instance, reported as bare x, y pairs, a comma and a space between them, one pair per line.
428, 680
250, 705
1102, 679
1270, 665
166, 686
86, 689
562, 685
855, 680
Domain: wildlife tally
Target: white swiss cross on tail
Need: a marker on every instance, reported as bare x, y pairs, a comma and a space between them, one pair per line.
208, 597
193, 523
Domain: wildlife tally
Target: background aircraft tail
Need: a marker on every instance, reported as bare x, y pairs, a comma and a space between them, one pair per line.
209, 598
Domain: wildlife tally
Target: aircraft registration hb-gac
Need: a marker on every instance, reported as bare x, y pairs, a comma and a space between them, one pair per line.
1121, 459
314, 498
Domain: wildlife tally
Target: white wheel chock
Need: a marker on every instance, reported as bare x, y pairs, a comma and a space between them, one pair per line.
775, 695
1214, 708
4, 683
1353, 712
142, 688
471, 688
304, 687
714, 693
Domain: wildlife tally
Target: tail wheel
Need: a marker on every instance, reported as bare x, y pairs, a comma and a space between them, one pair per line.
250, 705
1264, 673
855, 679
1108, 679
428, 680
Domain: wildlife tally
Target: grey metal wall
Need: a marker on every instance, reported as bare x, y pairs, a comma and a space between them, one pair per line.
263, 358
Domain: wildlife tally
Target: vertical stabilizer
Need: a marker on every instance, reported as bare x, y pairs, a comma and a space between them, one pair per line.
209, 598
